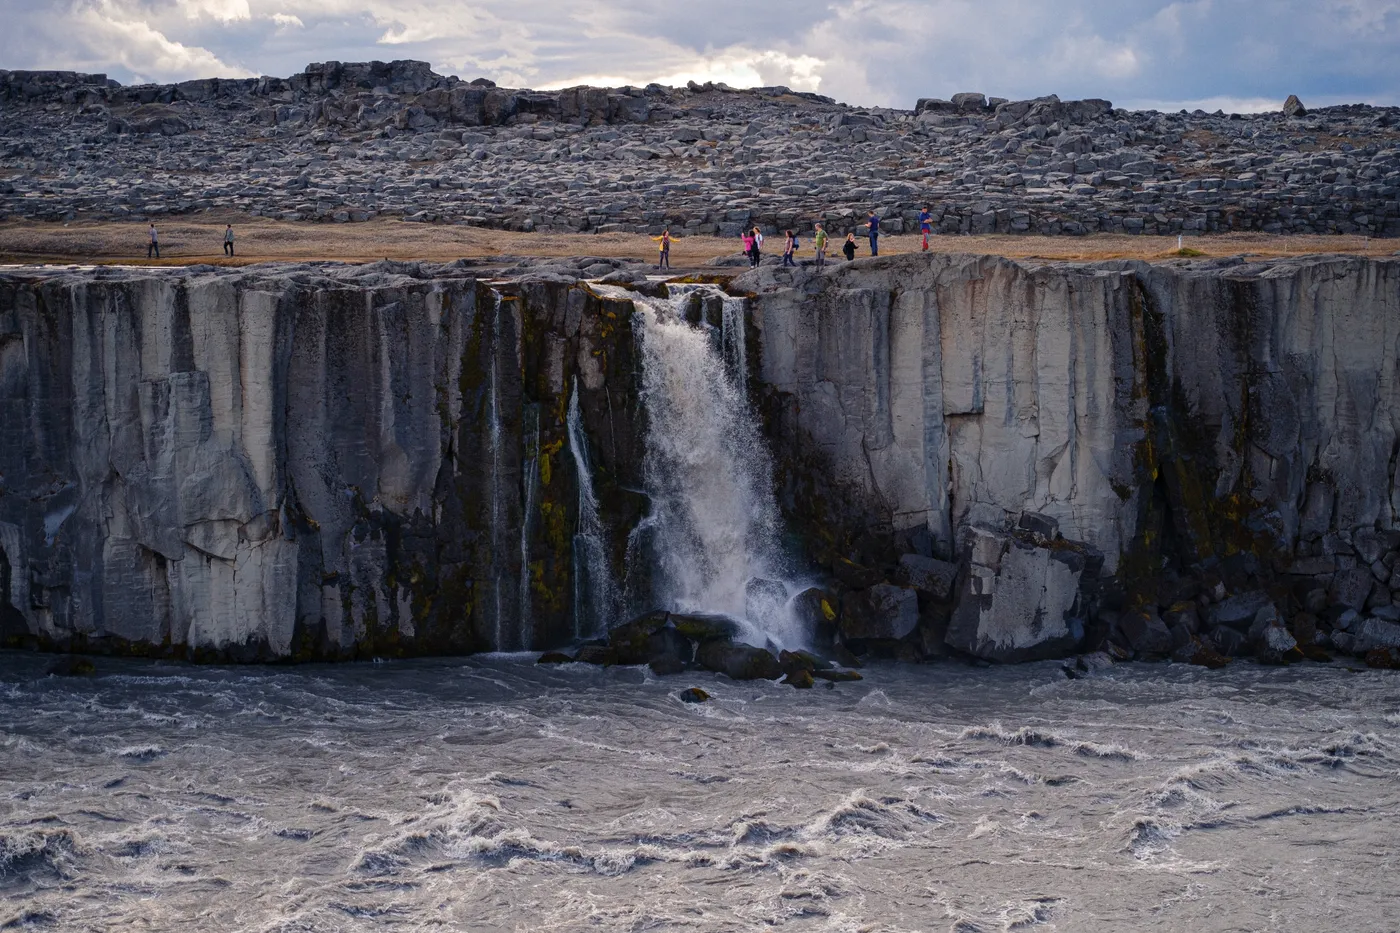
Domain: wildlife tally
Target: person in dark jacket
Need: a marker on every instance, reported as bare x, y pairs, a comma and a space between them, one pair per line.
850, 247
874, 224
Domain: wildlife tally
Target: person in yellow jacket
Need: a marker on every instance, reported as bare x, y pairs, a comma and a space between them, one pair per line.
663, 242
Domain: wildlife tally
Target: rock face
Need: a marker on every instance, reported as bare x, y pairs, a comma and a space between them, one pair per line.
1221, 419
1009, 460
346, 142
304, 463
938, 391
1020, 601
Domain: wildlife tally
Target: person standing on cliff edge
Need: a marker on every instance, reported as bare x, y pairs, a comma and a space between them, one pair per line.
228, 240
663, 242
821, 246
153, 245
874, 224
925, 225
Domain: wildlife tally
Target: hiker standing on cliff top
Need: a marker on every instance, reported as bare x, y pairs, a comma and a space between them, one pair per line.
228, 240
747, 238
821, 246
874, 224
153, 246
849, 248
925, 225
663, 243
788, 248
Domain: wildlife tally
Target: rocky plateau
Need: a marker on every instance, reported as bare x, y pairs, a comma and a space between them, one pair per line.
349, 142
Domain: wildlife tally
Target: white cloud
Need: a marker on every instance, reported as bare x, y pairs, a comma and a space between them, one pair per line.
287, 21
224, 11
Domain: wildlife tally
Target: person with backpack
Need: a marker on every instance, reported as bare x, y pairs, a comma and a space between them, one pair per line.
757, 247
789, 248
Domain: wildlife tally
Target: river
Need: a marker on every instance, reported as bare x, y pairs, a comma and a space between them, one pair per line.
493, 794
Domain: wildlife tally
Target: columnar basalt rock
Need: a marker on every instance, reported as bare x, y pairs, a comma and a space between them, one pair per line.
1232, 420
1004, 459
302, 463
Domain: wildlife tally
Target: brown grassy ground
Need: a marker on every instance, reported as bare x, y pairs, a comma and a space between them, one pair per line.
185, 242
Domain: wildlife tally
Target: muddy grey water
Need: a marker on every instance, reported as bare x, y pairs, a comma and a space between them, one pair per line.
493, 794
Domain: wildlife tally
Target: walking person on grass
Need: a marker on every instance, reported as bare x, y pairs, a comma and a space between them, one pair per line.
153, 243
228, 240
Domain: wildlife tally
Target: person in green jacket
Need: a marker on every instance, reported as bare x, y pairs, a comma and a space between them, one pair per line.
821, 246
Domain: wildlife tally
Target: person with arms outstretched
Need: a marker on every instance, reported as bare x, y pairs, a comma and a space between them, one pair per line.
663, 261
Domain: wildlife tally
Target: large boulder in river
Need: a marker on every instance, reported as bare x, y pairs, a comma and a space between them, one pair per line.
738, 662
929, 574
701, 627
1019, 601
633, 640
883, 612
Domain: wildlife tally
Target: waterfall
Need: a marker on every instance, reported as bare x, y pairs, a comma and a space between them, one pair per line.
712, 539
733, 340
530, 469
497, 476
595, 596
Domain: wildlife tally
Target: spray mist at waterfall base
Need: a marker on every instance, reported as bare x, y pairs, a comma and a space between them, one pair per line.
495, 794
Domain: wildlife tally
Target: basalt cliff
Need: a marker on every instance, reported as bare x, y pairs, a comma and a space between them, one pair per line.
972, 455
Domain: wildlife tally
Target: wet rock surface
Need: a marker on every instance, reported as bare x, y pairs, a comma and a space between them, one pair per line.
345, 142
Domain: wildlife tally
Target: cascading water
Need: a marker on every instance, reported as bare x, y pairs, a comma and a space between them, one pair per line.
712, 538
497, 478
734, 342
595, 595
531, 474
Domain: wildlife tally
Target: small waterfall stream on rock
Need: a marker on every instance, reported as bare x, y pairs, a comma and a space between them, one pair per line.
711, 542
497, 475
595, 596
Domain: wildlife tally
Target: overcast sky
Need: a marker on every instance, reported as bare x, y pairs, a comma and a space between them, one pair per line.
1234, 54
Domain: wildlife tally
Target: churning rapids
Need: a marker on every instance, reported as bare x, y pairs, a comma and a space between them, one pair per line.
495, 794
